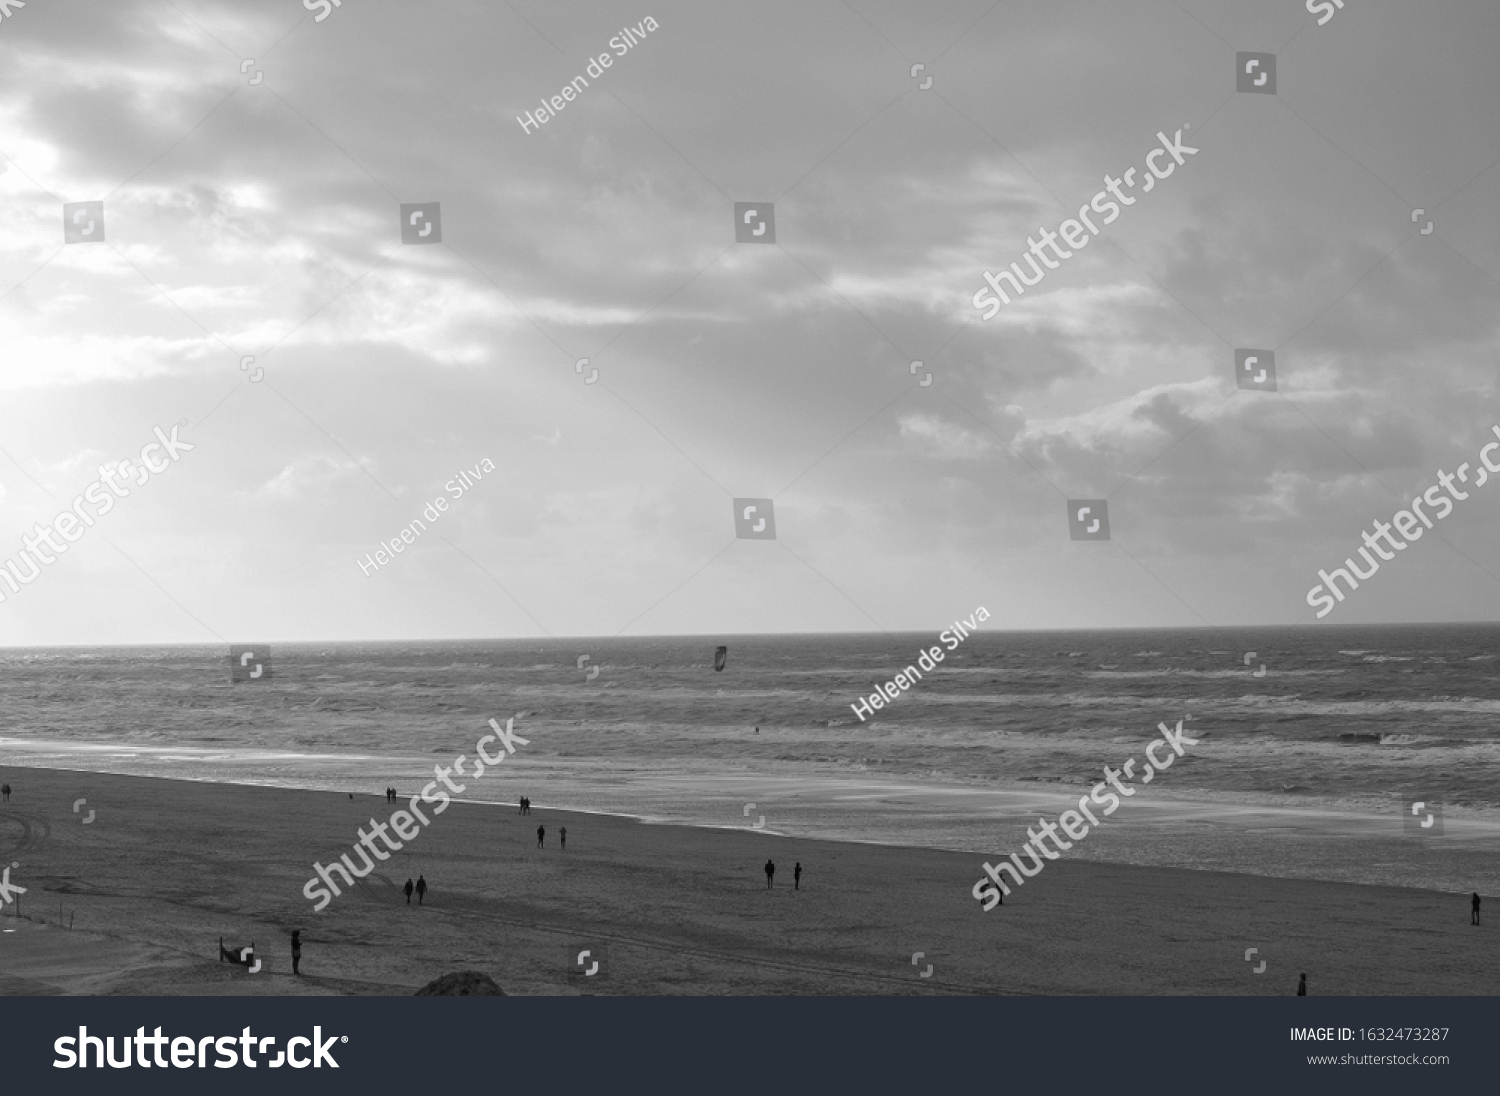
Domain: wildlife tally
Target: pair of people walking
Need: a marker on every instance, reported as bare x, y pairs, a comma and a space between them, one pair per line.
541, 836
390, 795
5, 791
796, 874
421, 889
525, 806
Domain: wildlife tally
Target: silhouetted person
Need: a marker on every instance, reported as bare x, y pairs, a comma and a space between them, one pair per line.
6, 790
541, 835
770, 871
1302, 987
1474, 909
757, 730
421, 888
797, 876
562, 835
408, 889
521, 805
296, 950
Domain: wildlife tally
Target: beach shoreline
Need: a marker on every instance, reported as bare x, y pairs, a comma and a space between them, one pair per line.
167, 867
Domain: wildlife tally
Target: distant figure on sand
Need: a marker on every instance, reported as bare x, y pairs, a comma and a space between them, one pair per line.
770, 871
408, 889
296, 950
563, 836
421, 888
541, 835
1474, 910
5, 789
1302, 986
797, 876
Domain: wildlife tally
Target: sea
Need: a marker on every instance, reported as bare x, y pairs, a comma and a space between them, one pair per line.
1313, 744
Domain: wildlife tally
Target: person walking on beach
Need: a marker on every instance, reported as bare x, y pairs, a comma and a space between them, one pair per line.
5, 789
408, 889
770, 871
421, 888
541, 835
797, 876
296, 950
1474, 910
563, 836
1302, 986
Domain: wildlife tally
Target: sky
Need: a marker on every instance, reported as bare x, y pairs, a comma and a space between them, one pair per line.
252, 159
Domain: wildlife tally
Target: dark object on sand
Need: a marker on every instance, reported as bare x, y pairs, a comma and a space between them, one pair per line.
296, 950
232, 955
465, 983
719, 656
1302, 987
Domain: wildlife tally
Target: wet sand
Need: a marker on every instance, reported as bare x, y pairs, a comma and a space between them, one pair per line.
167, 867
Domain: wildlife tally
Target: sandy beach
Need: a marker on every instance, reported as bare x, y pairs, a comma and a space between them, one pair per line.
167, 867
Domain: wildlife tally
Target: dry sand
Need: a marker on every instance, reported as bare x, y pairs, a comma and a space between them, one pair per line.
167, 867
